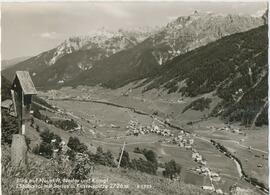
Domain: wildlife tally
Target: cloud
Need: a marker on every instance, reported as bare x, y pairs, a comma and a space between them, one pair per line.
116, 10
259, 13
48, 35
172, 18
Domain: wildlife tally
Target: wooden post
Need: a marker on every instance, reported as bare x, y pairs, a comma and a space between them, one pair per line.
19, 151
22, 117
120, 158
13, 100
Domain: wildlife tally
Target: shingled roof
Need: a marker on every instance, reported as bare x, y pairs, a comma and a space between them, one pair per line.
26, 82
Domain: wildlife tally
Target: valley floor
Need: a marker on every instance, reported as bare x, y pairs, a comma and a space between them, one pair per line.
105, 114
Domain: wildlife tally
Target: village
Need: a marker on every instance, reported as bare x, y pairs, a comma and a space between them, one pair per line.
183, 140
227, 128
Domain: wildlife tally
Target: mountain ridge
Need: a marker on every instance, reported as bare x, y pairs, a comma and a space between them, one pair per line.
159, 48
234, 67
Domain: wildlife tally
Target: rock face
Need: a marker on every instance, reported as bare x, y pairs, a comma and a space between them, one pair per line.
190, 32
115, 59
178, 37
77, 54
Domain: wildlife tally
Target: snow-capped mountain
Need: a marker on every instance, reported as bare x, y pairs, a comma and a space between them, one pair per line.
189, 32
178, 37
85, 52
110, 42
116, 58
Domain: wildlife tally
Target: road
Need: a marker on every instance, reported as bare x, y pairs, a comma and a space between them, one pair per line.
243, 146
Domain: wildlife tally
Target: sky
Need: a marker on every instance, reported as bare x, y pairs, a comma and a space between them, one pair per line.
31, 28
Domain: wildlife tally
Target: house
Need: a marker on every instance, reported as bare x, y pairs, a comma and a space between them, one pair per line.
181, 144
191, 141
205, 170
156, 128
211, 188
215, 177
219, 191
61, 81
188, 147
195, 155
203, 162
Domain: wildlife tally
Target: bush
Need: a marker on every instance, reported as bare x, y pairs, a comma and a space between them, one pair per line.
9, 127
150, 155
137, 150
144, 166
109, 159
45, 150
82, 168
35, 150
75, 144
48, 136
37, 128
46, 147
99, 150
102, 158
66, 124
71, 154
172, 169
5, 88
125, 162
41, 168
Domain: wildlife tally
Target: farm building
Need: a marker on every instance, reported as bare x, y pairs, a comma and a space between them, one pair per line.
211, 188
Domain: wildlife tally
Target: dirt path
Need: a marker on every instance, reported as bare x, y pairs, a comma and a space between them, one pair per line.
243, 146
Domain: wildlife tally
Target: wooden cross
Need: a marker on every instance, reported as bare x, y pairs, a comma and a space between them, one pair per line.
22, 91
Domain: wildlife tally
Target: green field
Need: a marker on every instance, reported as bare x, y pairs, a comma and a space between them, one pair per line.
100, 117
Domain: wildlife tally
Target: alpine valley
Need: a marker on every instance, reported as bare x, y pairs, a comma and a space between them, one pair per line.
188, 99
